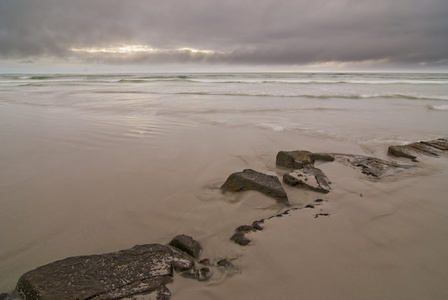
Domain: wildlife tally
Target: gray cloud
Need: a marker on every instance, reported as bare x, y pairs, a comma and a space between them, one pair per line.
243, 31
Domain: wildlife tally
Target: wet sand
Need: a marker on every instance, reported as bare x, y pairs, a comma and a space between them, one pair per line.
74, 184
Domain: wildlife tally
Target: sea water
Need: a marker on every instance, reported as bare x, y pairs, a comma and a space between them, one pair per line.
100, 162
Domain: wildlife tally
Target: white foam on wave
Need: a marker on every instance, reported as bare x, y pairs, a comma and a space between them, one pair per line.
438, 107
272, 126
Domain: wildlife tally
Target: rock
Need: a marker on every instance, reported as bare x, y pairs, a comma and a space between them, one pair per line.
182, 261
240, 238
308, 177
142, 269
256, 225
371, 166
441, 144
300, 158
205, 262
202, 274
245, 228
4, 296
226, 264
187, 244
428, 148
294, 159
253, 180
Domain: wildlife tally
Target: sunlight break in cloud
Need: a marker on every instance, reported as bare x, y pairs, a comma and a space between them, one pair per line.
131, 49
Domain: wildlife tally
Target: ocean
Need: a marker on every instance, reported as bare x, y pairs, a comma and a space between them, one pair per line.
94, 163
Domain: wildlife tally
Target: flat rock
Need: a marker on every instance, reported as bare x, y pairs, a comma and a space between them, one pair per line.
441, 144
413, 150
142, 269
308, 177
253, 180
371, 166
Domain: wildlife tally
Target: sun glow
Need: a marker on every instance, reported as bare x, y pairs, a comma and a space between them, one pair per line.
196, 50
119, 49
132, 49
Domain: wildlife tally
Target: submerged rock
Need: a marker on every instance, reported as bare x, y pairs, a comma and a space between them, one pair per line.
411, 151
227, 265
253, 180
308, 177
142, 269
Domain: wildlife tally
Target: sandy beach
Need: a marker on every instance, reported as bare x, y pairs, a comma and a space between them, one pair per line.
95, 175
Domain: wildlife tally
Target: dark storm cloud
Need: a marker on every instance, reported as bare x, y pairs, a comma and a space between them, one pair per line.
243, 31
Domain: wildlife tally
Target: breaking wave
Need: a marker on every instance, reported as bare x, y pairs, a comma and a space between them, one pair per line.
438, 107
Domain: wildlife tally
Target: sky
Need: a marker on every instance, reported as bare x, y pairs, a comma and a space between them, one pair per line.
289, 35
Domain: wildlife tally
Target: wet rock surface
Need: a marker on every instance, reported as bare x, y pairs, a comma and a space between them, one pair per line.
253, 180
413, 150
4, 296
187, 244
308, 177
371, 166
140, 270
300, 158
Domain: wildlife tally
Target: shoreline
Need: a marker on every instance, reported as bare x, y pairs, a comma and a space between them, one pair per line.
358, 232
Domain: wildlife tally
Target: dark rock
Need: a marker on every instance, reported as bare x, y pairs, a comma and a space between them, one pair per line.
182, 261
205, 262
257, 225
140, 270
187, 244
322, 156
441, 144
294, 159
428, 148
245, 228
319, 200
253, 180
240, 238
309, 206
4, 296
321, 214
226, 264
371, 166
300, 158
202, 274
308, 177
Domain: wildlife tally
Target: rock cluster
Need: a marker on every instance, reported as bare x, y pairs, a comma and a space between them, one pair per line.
240, 237
147, 269
428, 148
141, 270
